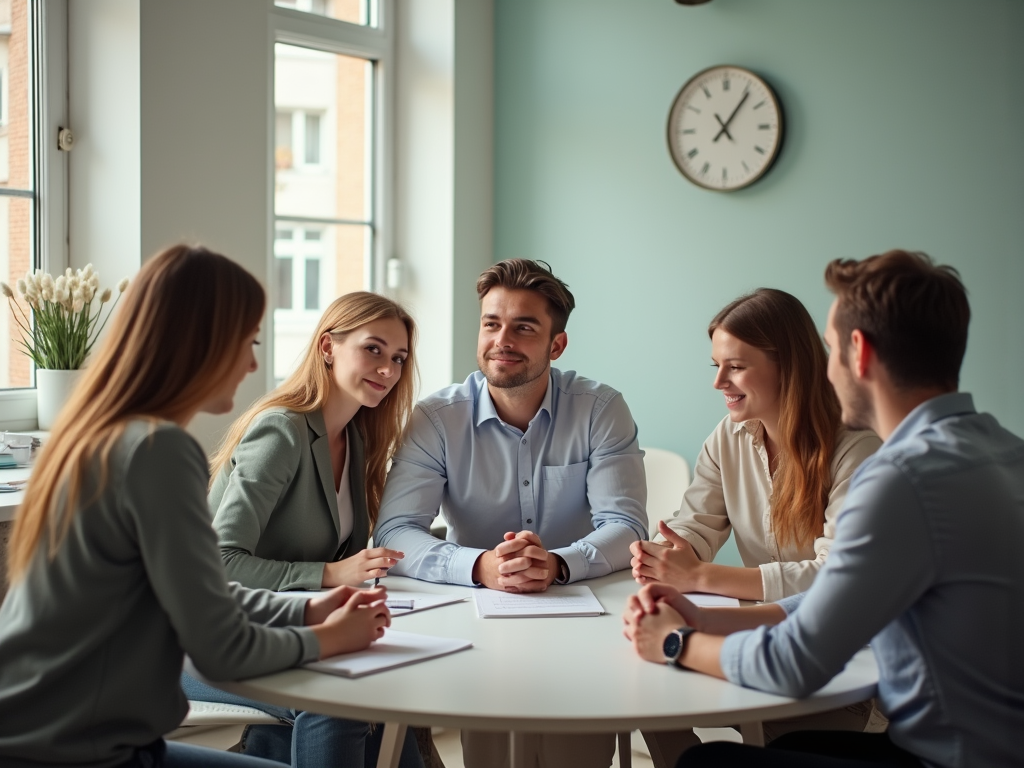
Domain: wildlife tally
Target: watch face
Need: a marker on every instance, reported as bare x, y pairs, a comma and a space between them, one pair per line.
725, 128
671, 647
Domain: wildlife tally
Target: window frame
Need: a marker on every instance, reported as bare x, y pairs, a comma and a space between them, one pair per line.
49, 66
377, 44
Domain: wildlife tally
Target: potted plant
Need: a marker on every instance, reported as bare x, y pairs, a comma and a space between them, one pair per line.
65, 323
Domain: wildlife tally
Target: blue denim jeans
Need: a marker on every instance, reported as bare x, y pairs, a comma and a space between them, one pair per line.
306, 740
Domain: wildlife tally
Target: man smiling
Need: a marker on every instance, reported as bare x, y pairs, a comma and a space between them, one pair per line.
538, 471
926, 561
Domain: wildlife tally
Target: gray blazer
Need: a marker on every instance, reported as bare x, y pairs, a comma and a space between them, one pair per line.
92, 641
276, 510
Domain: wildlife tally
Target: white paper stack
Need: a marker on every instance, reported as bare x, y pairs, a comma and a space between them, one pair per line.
570, 600
395, 649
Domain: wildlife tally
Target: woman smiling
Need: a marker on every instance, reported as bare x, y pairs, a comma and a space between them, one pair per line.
775, 470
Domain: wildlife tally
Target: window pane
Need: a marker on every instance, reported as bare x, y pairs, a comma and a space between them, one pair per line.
354, 11
331, 262
313, 284
329, 94
283, 283
16, 213
312, 139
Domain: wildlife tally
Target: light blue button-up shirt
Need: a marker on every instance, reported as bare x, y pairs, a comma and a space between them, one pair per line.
927, 564
575, 477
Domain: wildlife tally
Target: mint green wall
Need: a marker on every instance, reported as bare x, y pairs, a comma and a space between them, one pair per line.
905, 128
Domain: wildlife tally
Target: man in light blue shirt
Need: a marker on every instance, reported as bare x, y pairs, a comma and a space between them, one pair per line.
538, 473
926, 563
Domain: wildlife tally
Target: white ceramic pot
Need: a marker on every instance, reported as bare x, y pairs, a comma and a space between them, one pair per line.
53, 388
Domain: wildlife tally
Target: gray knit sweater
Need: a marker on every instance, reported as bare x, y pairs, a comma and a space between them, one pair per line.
92, 641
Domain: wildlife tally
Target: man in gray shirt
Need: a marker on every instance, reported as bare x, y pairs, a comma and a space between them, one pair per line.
926, 563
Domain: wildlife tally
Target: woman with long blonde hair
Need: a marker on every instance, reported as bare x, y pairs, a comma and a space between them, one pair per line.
297, 486
114, 567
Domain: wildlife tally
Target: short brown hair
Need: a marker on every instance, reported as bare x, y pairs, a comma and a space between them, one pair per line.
912, 311
529, 275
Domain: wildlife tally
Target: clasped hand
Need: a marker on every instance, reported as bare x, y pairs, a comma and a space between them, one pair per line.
348, 619
671, 562
518, 564
652, 613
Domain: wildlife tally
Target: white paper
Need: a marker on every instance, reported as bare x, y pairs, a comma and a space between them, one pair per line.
570, 600
421, 600
711, 601
395, 649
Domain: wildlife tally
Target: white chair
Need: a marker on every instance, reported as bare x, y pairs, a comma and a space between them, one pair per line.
668, 475
204, 715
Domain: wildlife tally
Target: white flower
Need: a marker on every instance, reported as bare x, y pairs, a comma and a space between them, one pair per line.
60, 295
122, 285
6, 290
22, 286
88, 292
77, 306
47, 293
46, 281
94, 281
105, 296
68, 273
88, 271
60, 283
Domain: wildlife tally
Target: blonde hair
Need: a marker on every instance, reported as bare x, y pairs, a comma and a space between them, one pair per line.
306, 390
169, 347
809, 416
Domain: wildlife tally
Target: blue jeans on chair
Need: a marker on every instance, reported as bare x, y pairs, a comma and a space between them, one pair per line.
306, 740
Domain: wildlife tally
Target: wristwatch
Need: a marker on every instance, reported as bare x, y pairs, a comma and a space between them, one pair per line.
675, 644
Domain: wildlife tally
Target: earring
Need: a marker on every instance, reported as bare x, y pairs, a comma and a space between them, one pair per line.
328, 360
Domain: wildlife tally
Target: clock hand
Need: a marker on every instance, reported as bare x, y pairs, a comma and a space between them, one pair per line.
725, 127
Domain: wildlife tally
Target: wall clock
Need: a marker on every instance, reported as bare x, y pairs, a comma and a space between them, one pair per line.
725, 128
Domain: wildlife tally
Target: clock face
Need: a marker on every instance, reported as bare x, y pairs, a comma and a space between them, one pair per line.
725, 128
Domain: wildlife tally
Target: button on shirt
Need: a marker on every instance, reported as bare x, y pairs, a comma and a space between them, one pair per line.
732, 491
575, 477
926, 565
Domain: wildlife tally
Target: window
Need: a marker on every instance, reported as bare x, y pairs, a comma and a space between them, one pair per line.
327, 159
362, 12
32, 105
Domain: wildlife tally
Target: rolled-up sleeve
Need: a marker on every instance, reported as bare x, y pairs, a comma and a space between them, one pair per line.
617, 493
781, 579
703, 519
870, 578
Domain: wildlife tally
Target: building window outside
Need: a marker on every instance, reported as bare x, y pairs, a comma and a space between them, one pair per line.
18, 200
362, 12
323, 189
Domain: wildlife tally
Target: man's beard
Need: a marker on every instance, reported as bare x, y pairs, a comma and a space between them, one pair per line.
858, 410
507, 380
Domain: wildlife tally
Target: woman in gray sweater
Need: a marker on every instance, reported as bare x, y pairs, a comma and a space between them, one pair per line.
297, 484
114, 567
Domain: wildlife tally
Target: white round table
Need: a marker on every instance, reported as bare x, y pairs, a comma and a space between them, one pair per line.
550, 675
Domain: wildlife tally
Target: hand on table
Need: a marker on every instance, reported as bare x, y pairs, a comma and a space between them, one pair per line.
358, 621
647, 629
518, 564
362, 566
671, 562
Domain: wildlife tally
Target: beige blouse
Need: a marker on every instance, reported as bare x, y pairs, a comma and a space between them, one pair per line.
731, 489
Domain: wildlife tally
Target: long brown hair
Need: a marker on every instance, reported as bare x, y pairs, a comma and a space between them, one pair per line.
174, 338
307, 389
809, 415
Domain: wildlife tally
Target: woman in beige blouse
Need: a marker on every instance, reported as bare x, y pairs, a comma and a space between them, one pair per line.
775, 470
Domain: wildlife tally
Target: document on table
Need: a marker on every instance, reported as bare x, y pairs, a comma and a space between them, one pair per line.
711, 601
421, 601
569, 600
395, 649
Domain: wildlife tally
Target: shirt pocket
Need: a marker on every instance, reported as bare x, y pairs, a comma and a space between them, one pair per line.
565, 490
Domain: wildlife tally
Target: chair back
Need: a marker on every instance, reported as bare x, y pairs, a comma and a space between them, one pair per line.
668, 475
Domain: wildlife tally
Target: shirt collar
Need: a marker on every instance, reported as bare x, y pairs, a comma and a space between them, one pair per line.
752, 427
485, 409
929, 412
